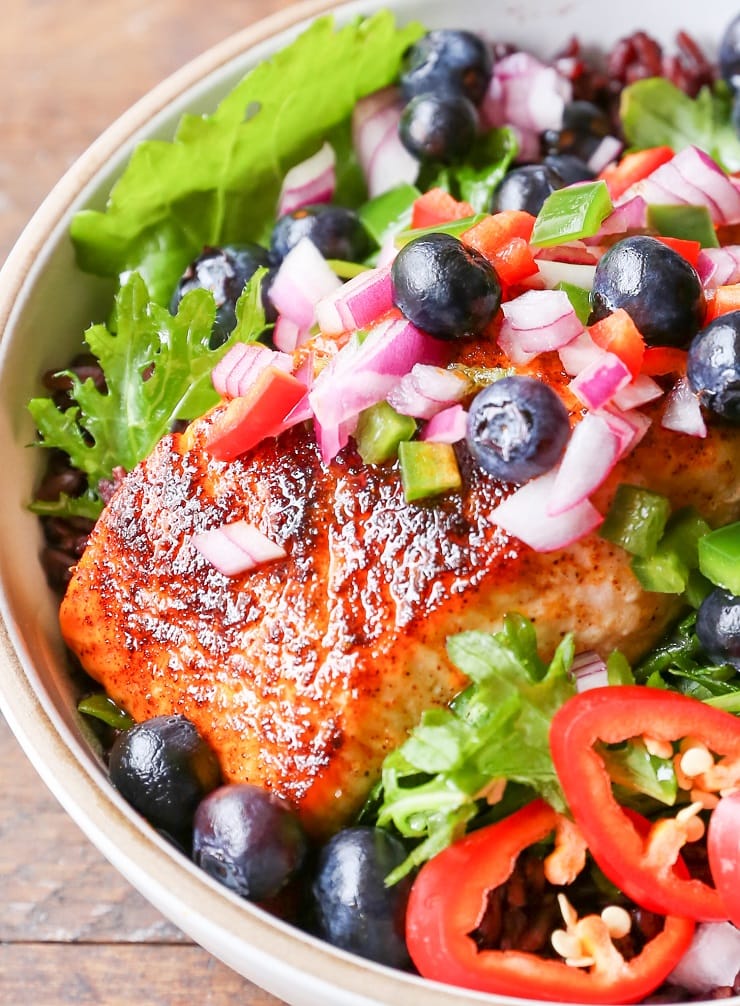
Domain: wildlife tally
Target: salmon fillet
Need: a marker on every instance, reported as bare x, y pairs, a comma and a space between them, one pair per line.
304, 673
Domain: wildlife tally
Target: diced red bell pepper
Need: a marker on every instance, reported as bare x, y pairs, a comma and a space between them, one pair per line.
633, 168
643, 867
448, 902
684, 247
438, 207
661, 360
618, 334
503, 238
722, 301
249, 419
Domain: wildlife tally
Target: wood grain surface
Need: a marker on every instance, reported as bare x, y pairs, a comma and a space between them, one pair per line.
72, 931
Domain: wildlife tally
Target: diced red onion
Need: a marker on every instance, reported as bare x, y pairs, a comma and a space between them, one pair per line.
361, 375
553, 273
597, 383
627, 216
528, 145
683, 411
579, 354
238, 369
606, 152
426, 390
387, 251
629, 426
311, 181
302, 279
576, 252
641, 390
236, 548
526, 93
711, 961
589, 671
524, 515
287, 335
447, 427
691, 177
357, 304
591, 453
719, 266
539, 321
384, 160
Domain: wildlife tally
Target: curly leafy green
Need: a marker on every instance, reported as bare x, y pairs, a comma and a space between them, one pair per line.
654, 112
220, 178
157, 369
497, 729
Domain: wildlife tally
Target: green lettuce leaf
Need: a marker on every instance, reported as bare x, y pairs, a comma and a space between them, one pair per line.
157, 368
655, 113
498, 728
220, 178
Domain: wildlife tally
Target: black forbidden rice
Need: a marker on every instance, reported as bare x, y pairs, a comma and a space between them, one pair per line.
523, 912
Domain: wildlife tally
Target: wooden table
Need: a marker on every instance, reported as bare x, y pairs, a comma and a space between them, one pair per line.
72, 931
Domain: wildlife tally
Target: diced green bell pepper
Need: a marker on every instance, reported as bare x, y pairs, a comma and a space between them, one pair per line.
667, 570
380, 429
636, 519
719, 557
688, 223
576, 211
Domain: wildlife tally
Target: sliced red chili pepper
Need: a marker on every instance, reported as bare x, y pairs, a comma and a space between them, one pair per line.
643, 867
448, 902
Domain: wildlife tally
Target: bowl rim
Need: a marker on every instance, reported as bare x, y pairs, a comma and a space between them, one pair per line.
218, 920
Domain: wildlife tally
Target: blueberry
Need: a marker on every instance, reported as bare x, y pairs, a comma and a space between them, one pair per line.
526, 188
718, 627
353, 907
225, 272
517, 428
336, 231
443, 287
584, 127
164, 768
447, 61
439, 127
570, 168
713, 367
248, 839
729, 53
655, 285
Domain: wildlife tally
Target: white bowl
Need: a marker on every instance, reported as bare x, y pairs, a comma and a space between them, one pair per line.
45, 303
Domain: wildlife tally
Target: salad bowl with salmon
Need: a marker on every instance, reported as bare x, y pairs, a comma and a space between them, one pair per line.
371, 581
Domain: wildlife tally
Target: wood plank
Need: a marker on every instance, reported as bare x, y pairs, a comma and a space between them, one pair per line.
103, 975
53, 884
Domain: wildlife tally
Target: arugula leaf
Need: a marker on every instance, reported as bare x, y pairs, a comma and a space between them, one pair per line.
654, 112
157, 370
497, 729
220, 178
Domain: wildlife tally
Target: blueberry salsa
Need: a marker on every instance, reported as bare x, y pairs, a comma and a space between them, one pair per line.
516, 429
